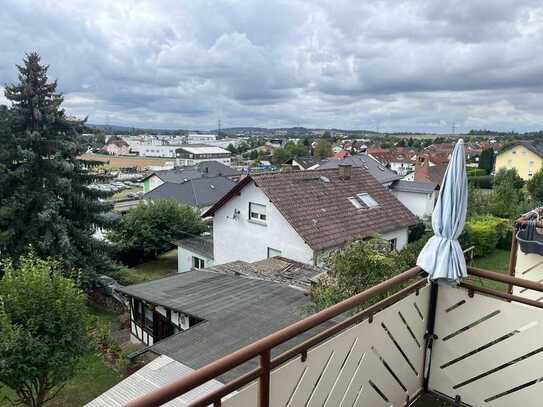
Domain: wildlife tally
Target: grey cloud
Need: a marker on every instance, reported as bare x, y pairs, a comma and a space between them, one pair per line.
399, 65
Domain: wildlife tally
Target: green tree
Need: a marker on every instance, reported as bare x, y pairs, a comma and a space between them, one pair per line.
44, 199
149, 229
323, 149
280, 155
230, 147
486, 160
509, 199
253, 155
42, 329
296, 149
535, 187
354, 268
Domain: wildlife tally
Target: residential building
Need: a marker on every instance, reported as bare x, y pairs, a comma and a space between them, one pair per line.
341, 154
304, 215
179, 175
200, 138
426, 171
524, 156
194, 253
419, 197
381, 173
191, 154
200, 193
400, 160
224, 311
117, 146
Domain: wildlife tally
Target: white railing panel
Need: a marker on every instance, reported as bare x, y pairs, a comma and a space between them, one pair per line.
488, 351
367, 365
529, 267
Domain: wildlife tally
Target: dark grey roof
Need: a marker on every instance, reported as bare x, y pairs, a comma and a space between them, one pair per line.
375, 168
203, 169
236, 310
199, 192
199, 244
414, 186
535, 147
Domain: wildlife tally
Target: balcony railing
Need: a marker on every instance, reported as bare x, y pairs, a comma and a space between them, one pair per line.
473, 344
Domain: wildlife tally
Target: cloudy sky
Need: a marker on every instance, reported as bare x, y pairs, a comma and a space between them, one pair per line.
414, 65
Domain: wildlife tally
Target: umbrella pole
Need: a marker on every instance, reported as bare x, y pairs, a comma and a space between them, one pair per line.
430, 335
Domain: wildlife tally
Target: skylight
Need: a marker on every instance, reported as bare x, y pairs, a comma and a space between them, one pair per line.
363, 199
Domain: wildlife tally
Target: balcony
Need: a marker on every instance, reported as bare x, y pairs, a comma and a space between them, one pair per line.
464, 346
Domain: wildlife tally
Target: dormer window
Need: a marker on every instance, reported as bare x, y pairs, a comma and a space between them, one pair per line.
363, 199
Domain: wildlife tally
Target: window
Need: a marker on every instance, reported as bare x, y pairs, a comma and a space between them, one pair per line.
363, 199
514, 152
273, 252
257, 213
531, 163
530, 173
393, 243
198, 263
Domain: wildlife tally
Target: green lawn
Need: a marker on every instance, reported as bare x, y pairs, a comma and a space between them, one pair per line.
164, 265
498, 262
94, 376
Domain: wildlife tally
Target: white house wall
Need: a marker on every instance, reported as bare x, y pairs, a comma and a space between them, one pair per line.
154, 182
184, 259
242, 239
419, 204
400, 235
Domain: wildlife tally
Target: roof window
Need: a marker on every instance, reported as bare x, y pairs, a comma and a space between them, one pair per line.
363, 199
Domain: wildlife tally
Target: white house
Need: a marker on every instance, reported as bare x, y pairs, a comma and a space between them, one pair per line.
303, 215
418, 196
194, 253
191, 154
117, 146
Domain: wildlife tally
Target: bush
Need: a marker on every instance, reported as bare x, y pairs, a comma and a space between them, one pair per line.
416, 231
485, 232
481, 181
407, 257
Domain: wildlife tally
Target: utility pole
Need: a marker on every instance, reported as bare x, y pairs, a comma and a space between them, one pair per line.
219, 128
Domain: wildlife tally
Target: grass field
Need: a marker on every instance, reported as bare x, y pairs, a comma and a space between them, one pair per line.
498, 262
115, 162
164, 265
93, 377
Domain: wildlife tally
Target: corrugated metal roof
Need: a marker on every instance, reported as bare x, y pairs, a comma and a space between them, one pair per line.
156, 374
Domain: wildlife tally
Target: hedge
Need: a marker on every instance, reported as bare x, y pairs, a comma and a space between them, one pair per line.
486, 233
483, 181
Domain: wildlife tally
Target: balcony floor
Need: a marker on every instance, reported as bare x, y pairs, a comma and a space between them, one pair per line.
431, 400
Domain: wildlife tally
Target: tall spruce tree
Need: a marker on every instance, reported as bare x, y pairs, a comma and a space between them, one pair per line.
45, 201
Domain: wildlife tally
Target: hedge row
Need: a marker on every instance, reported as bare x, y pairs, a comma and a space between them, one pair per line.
486, 233
483, 181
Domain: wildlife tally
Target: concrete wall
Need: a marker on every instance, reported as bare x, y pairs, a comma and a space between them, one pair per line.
184, 259
419, 204
243, 239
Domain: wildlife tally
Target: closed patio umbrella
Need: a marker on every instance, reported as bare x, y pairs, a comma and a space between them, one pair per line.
442, 257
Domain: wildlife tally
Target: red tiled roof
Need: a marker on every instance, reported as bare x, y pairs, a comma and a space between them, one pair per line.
316, 205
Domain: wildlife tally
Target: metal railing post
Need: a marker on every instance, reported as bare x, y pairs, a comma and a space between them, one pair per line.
264, 381
430, 335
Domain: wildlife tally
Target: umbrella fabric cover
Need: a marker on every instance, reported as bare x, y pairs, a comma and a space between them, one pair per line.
442, 257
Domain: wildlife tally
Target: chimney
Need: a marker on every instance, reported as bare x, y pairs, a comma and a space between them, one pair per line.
345, 171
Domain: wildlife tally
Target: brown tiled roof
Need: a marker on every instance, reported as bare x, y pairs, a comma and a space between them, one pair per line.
316, 205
